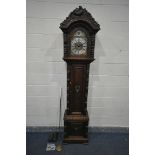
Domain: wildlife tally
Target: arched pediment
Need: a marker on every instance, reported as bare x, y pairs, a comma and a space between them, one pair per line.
80, 15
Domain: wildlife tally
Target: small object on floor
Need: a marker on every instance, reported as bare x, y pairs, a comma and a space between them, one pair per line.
58, 147
50, 147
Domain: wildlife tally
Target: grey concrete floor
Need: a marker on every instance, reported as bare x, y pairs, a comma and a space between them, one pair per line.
99, 144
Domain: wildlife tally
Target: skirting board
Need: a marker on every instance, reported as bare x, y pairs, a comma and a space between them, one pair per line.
90, 129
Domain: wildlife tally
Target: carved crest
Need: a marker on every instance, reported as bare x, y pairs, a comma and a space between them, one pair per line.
82, 15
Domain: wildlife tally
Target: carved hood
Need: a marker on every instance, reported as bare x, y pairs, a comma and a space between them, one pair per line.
80, 15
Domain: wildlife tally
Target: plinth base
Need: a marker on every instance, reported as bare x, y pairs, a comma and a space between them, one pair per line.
76, 128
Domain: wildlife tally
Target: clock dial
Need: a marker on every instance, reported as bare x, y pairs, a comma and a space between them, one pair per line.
79, 43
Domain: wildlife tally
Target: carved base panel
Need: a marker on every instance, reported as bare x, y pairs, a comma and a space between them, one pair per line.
75, 139
76, 128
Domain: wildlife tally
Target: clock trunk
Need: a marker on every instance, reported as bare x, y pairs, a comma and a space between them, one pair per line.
77, 86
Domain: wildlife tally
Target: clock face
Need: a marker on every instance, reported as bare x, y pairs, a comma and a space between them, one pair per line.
79, 43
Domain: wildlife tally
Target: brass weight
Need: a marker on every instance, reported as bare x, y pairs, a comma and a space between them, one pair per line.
58, 147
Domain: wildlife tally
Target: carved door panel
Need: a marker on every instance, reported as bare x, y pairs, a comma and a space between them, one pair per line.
77, 88
76, 128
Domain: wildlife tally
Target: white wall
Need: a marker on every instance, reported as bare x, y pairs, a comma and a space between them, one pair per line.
46, 71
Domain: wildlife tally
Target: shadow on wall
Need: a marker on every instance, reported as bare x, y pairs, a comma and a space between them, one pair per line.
58, 77
98, 52
55, 52
94, 67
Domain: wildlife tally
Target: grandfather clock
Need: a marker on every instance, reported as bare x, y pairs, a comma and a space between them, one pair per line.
79, 30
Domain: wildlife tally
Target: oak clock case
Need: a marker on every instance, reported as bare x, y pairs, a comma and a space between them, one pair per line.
79, 30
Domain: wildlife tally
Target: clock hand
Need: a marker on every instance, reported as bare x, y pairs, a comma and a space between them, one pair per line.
73, 48
76, 40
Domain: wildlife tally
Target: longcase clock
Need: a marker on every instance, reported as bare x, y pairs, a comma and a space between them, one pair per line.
79, 30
